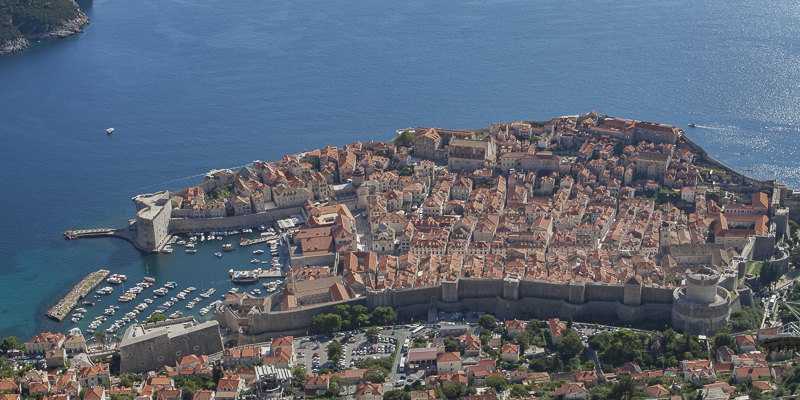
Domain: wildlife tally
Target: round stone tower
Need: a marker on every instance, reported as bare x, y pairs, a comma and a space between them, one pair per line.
702, 287
701, 307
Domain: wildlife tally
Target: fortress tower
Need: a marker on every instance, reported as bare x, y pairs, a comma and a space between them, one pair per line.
701, 307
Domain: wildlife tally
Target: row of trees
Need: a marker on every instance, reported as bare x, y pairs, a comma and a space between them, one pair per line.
625, 346
345, 318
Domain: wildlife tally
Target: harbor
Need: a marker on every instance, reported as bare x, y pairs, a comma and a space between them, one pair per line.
64, 306
128, 295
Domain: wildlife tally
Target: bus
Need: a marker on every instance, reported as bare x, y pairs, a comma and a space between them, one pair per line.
402, 367
417, 330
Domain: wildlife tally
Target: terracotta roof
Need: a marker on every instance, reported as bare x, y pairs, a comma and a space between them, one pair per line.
374, 389
203, 395
656, 391
448, 357
94, 393
763, 385
509, 348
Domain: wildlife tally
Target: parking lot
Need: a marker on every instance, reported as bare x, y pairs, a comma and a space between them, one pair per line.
313, 351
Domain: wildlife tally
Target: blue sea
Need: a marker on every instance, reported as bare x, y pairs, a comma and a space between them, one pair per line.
194, 85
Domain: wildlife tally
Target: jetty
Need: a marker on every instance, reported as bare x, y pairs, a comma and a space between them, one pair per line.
263, 239
129, 234
270, 273
64, 306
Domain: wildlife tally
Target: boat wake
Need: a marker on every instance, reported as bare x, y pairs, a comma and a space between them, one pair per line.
716, 128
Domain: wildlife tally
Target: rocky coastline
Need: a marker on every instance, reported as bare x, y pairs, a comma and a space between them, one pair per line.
65, 29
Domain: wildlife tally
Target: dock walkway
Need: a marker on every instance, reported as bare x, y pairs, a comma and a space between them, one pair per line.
128, 234
248, 242
270, 273
64, 306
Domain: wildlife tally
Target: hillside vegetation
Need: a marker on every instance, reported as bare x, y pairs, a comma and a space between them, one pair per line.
20, 18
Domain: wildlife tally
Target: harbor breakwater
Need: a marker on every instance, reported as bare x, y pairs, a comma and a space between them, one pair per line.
64, 306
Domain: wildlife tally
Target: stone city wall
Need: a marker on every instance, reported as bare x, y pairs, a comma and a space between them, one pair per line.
538, 298
603, 292
185, 225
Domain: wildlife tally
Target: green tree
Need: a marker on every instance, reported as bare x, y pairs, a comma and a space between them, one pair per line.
10, 343
299, 373
383, 316
451, 345
600, 392
570, 346
453, 391
619, 147
335, 386
373, 333
523, 339
360, 315
334, 351
518, 391
376, 374
712, 232
216, 374
724, 338
156, 317
343, 311
326, 323
406, 138
625, 388
100, 336
397, 395
487, 321
497, 382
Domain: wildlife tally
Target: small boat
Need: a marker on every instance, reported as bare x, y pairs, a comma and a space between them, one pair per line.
742, 153
87, 303
167, 250
259, 251
109, 131
255, 261
228, 247
218, 254
191, 251
692, 125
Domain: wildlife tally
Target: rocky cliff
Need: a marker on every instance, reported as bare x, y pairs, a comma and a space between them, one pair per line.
37, 20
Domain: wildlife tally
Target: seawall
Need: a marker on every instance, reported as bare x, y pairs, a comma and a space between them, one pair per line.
755, 183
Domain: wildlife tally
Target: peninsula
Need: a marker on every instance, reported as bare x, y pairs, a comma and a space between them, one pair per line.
24, 20
584, 255
581, 215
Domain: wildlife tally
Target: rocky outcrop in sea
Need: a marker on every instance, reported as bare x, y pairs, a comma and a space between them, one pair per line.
65, 29
14, 45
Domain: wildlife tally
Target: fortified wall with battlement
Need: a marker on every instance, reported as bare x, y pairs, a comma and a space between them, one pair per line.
508, 298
